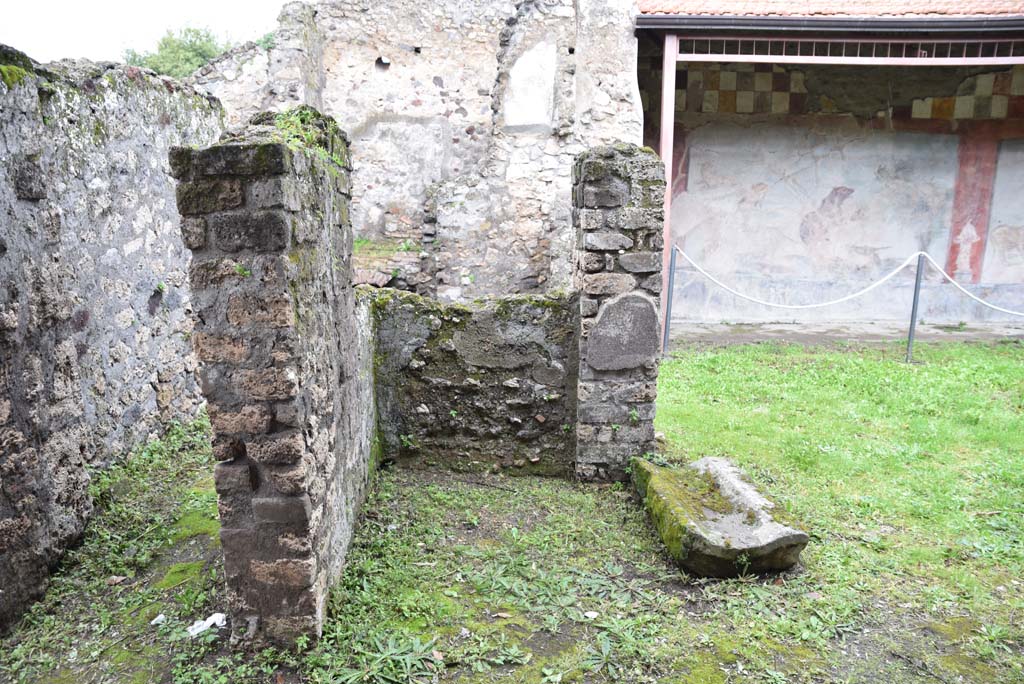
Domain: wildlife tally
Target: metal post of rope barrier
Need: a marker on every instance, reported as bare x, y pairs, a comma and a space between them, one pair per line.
913, 309
668, 300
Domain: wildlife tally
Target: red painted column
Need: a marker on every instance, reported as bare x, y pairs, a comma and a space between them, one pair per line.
972, 202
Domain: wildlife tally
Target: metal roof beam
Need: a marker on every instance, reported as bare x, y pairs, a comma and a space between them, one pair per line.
861, 51
872, 25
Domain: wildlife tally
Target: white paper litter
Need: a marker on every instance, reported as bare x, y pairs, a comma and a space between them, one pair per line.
158, 620
200, 626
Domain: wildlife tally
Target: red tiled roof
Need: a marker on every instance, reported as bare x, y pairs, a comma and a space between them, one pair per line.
835, 8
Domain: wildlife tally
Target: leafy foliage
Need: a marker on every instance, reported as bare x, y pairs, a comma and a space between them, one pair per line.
179, 54
266, 41
307, 129
390, 660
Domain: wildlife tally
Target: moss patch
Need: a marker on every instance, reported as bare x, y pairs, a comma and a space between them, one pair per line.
135, 667
971, 668
12, 57
196, 523
179, 573
12, 75
674, 497
706, 670
953, 630
304, 128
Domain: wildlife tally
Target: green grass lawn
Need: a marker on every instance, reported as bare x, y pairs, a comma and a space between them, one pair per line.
908, 477
151, 549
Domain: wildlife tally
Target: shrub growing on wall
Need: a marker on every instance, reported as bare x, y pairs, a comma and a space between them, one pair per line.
179, 54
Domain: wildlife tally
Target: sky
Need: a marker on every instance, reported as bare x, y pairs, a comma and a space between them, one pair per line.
101, 30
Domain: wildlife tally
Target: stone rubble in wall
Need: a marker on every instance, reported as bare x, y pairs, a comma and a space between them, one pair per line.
452, 153
482, 386
94, 299
618, 217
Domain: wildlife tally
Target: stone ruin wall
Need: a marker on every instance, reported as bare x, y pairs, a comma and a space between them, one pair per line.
286, 365
94, 300
618, 214
312, 382
465, 118
558, 384
487, 385
309, 383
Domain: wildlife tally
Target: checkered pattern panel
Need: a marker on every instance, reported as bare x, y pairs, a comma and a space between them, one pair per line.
985, 96
728, 88
740, 89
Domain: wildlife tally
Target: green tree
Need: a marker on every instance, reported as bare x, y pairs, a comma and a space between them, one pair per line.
179, 54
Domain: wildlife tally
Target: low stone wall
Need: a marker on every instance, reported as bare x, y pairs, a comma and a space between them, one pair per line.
618, 216
490, 385
94, 299
285, 363
555, 384
311, 382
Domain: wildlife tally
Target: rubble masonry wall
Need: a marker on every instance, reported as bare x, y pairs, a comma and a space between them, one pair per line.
94, 298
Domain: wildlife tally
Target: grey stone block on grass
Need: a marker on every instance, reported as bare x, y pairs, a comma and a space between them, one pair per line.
713, 521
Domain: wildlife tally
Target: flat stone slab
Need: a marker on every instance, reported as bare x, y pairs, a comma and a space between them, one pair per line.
713, 521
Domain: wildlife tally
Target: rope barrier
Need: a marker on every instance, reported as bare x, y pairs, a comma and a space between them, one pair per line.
969, 294
854, 295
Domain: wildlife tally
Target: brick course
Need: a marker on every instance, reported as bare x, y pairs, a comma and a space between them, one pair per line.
282, 362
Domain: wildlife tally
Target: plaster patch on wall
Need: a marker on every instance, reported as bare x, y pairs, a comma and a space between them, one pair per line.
529, 102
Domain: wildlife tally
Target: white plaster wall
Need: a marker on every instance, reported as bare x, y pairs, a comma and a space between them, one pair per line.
1004, 253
